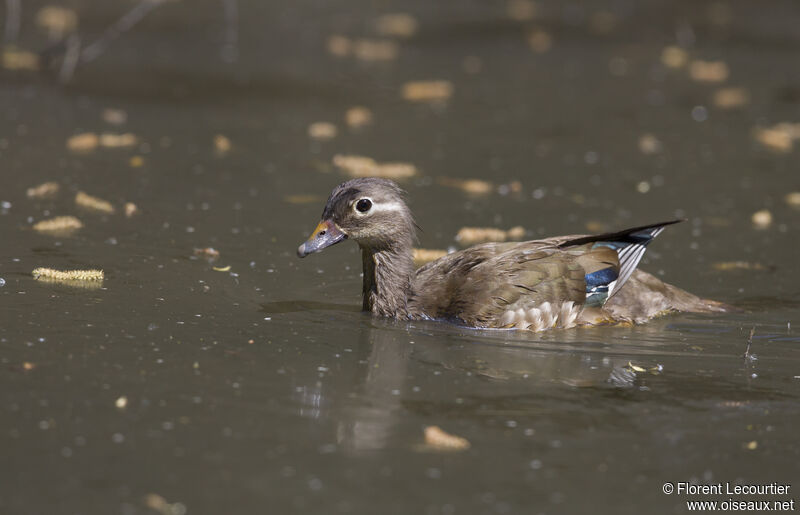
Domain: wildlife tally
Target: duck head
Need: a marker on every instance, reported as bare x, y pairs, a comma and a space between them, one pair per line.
370, 211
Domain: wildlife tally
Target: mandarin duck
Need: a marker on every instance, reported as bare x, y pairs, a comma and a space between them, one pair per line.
558, 282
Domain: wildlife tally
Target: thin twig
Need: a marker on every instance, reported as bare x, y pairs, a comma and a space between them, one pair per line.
749, 343
125, 23
70, 61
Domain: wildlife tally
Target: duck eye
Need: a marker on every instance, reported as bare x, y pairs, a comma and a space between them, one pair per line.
363, 205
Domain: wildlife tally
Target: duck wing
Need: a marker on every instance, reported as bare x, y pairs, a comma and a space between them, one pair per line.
533, 285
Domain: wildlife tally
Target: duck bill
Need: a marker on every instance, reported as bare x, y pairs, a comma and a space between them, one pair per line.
325, 235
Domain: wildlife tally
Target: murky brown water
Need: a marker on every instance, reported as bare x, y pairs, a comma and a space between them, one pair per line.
262, 388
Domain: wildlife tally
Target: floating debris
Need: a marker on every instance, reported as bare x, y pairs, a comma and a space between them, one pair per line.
115, 116
157, 503
375, 49
110, 140
45, 190
635, 368
649, 144
16, 59
58, 21
131, 209
674, 57
521, 10
793, 199
357, 117
751, 446
59, 224
427, 90
209, 253
222, 145
221, 268
401, 25
28, 366
731, 98
96, 204
438, 439
708, 71
472, 186
540, 41
762, 219
596, 227
339, 46
68, 275
322, 131
779, 137
83, 142
472, 235
643, 187
303, 199
136, 162
89, 141
121, 403
774, 138
361, 166
727, 266
422, 256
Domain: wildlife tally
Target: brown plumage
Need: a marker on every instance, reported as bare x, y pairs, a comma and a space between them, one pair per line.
557, 282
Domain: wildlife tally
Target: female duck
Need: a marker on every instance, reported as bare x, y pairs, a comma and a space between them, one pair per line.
563, 282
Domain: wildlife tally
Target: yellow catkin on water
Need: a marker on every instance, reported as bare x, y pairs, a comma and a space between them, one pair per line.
222, 144
339, 46
731, 98
361, 166
57, 21
649, 144
540, 41
762, 219
322, 131
303, 198
357, 117
439, 439
674, 57
375, 50
45, 190
95, 204
131, 209
83, 142
115, 116
471, 186
708, 71
427, 90
17, 59
776, 138
110, 140
401, 25
727, 266
68, 275
793, 199
473, 235
59, 224
422, 256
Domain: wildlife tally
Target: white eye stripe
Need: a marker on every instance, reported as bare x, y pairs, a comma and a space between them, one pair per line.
387, 206
377, 206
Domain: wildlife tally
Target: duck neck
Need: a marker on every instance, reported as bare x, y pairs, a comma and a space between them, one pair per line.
387, 280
